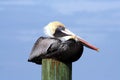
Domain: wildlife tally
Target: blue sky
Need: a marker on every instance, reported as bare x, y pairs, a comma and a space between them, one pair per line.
97, 21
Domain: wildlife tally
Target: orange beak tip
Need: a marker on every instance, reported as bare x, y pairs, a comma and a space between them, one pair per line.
98, 50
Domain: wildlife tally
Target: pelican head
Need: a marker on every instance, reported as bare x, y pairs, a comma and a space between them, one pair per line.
58, 30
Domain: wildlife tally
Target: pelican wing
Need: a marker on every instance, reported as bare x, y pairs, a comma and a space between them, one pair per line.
42, 47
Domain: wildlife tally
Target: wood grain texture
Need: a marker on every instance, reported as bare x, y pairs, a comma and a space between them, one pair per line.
55, 70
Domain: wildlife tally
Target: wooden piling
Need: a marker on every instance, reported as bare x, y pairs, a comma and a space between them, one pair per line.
55, 70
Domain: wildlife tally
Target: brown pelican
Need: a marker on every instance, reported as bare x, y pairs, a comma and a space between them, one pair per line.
61, 44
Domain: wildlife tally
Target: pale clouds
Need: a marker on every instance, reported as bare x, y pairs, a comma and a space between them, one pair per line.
1, 8
71, 7
27, 35
18, 2
97, 21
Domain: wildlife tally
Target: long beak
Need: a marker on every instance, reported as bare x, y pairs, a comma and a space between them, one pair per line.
85, 43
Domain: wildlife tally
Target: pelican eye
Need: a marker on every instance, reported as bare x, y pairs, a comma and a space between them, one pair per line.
61, 28
59, 33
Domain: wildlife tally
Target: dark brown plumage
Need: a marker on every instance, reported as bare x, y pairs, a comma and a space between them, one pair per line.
46, 47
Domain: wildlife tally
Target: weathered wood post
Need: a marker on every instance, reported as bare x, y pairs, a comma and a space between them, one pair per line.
56, 70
